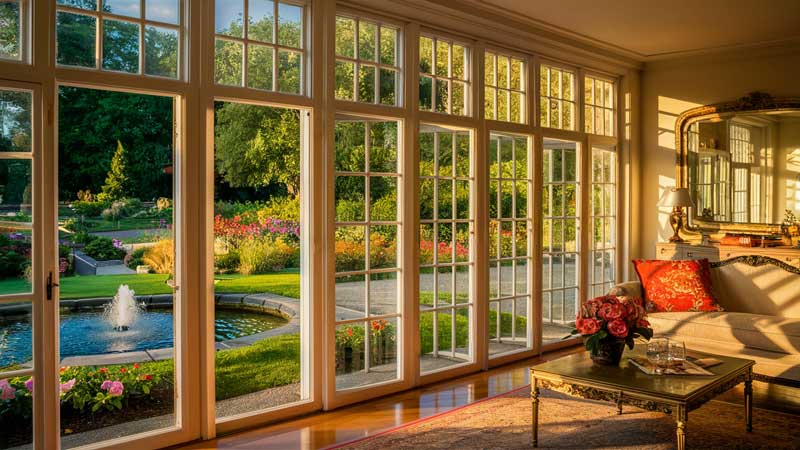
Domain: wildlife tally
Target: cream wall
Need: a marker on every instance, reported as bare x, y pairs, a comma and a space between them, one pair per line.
671, 87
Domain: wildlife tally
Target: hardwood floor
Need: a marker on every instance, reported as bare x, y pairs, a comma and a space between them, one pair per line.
326, 429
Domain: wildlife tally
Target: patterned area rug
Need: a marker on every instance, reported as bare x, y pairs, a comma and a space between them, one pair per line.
504, 422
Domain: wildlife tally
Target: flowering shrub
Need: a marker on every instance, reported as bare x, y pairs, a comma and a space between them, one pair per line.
266, 253
239, 227
350, 251
14, 254
103, 249
612, 317
444, 250
81, 388
350, 345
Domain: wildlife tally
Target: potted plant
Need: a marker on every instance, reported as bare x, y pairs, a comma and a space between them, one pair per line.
608, 323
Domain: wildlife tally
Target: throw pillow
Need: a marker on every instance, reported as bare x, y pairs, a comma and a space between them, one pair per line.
675, 286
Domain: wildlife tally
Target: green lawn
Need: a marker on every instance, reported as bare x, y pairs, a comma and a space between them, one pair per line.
286, 284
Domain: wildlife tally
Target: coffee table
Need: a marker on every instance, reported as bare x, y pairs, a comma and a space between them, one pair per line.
578, 376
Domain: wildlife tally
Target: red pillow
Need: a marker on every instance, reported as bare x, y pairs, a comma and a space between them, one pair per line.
675, 286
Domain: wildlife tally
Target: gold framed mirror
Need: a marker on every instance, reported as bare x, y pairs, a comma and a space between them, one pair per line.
740, 161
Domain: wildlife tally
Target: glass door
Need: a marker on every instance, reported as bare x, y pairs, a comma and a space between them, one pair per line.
21, 268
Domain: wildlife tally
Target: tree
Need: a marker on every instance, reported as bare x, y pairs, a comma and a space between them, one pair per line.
116, 186
257, 146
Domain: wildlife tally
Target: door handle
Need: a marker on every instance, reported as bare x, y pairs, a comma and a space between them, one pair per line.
50, 285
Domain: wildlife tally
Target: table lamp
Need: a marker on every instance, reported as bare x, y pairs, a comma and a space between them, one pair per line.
677, 198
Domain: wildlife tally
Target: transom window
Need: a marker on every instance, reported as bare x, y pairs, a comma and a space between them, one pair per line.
131, 36
367, 61
443, 76
598, 106
12, 21
604, 218
504, 88
556, 98
266, 51
510, 240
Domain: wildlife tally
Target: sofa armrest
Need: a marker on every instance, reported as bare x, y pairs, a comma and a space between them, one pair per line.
627, 289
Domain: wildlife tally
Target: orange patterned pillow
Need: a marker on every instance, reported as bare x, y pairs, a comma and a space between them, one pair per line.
674, 286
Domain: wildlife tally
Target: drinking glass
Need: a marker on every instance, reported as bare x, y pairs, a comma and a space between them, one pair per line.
658, 353
677, 353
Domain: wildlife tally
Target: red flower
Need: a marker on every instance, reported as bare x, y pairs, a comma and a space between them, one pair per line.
103, 370
642, 323
587, 325
349, 331
136, 365
146, 377
618, 328
611, 311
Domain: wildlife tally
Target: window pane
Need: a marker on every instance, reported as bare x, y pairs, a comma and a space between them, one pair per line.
502, 71
425, 93
10, 30
161, 52
130, 8
459, 62
163, 10
425, 54
120, 46
15, 115
259, 67
228, 17
344, 80
290, 25
383, 147
459, 102
388, 87
345, 36
261, 20
366, 84
16, 239
75, 39
442, 58
388, 45
488, 69
289, 63
83, 4
228, 63
442, 93
367, 35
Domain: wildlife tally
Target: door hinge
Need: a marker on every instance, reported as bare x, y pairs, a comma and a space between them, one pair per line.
50, 286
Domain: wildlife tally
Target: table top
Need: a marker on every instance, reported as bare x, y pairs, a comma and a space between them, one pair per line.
578, 367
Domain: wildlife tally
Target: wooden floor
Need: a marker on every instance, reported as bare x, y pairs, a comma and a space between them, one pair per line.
325, 429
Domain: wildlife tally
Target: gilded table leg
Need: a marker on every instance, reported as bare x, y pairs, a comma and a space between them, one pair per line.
619, 403
682, 418
748, 400
535, 412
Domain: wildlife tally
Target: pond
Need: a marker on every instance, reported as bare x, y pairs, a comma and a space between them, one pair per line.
87, 333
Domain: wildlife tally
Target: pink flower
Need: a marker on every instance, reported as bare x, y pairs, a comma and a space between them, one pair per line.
618, 328
587, 325
116, 389
106, 384
29, 384
66, 387
7, 392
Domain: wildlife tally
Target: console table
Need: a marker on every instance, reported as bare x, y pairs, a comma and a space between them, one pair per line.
712, 252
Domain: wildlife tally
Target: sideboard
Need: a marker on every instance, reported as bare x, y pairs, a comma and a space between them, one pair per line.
667, 250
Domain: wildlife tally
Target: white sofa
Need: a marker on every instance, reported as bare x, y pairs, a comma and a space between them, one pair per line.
761, 321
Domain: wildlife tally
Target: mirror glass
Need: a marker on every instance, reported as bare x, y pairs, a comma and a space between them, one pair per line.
745, 168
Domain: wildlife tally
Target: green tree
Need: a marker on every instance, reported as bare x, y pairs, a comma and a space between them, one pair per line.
116, 186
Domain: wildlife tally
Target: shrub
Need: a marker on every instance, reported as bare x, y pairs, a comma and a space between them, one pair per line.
13, 256
136, 258
267, 254
122, 208
163, 203
226, 262
104, 249
89, 209
161, 257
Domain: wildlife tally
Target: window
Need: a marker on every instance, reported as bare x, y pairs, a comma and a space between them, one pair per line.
604, 218
446, 259
556, 98
560, 239
745, 178
504, 87
444, 76
370, 50
510, 243
11, 25
599, 106
266, 51
121, 28
367, 296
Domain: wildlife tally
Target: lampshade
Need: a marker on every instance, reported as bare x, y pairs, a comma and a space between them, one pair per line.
676, 197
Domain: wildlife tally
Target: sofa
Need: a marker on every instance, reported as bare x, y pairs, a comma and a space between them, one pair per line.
760, 321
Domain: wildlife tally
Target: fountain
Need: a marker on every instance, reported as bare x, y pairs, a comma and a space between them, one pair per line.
123, 310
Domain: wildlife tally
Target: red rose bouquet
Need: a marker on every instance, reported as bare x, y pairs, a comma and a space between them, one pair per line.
609, 318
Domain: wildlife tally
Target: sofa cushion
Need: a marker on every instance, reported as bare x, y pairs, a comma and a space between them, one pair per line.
733, 329
676, 285
766, 289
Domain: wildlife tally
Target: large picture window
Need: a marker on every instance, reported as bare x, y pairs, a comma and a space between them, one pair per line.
510, 243
139, 37
368, 315
560, 239
446, 257
504, 87
266, 51
444, 75
367, 61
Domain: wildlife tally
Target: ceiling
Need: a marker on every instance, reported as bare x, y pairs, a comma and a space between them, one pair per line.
661, 28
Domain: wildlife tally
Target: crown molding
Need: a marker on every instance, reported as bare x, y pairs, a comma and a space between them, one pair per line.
477, 21
729, 53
